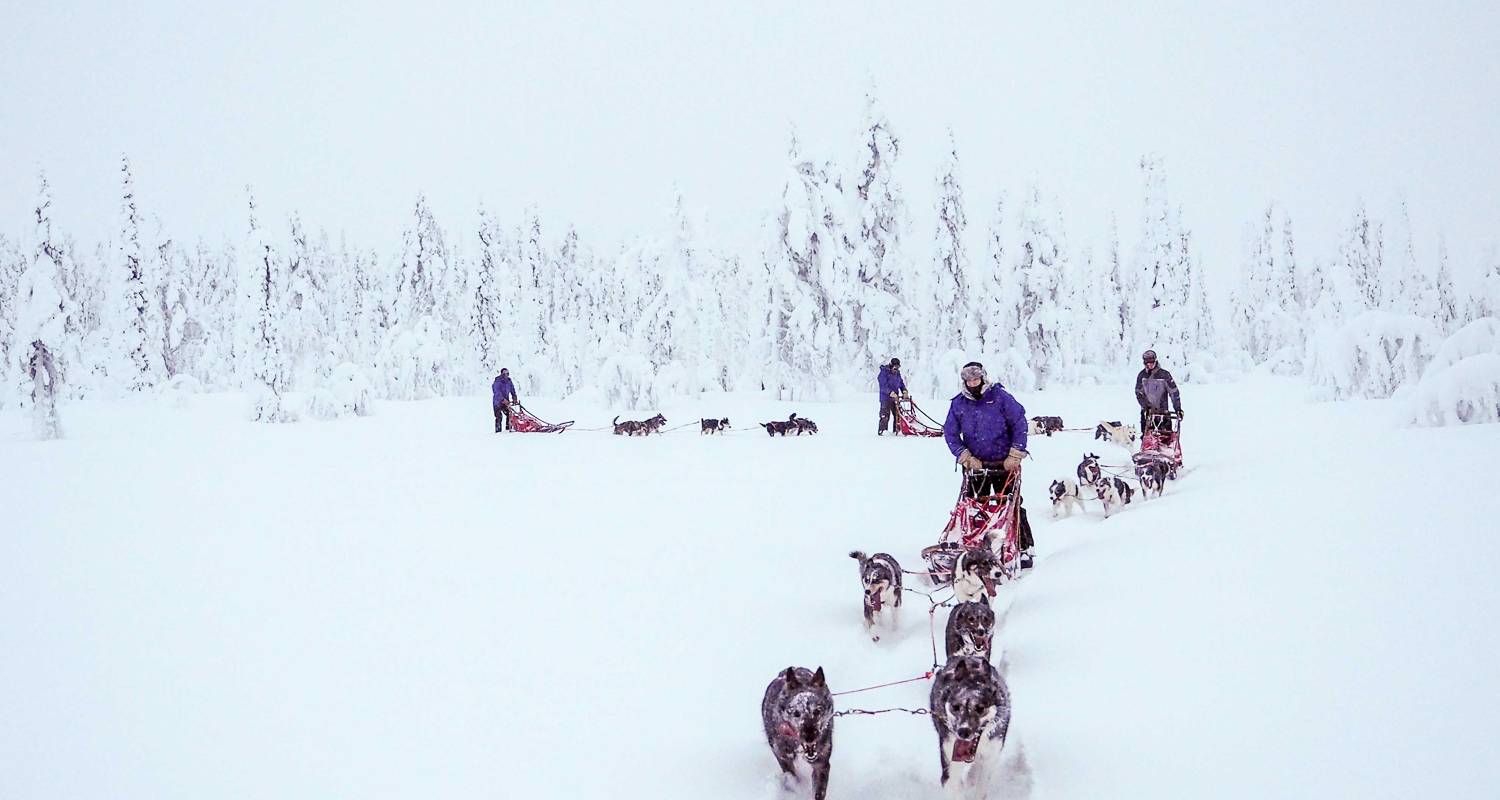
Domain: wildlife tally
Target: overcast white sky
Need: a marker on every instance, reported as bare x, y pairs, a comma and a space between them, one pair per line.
593, 111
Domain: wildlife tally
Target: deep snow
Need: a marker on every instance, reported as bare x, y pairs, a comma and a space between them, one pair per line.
406, 605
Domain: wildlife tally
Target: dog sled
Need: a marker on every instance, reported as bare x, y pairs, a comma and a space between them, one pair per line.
523, 421
1161, 441
991, 520
908, 423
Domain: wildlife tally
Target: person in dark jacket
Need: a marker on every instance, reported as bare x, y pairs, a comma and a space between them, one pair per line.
986, 430
503, 393
1154, 387
892, 386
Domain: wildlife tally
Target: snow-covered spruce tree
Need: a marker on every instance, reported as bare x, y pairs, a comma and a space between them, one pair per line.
1197, 319
210, 331
171, 303
1445, 307
1039, 268
1160, 291
41, 317
138, 352
805, 334
416, 361
996, 290
953, 325
260, 348
12, 266
1116, 312
486, 311
310, 349
1362, 252
535, 350
880, 327
1409, 286
1484, 299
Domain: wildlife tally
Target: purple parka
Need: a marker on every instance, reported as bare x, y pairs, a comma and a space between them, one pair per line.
503, 389
890, 381
988, 427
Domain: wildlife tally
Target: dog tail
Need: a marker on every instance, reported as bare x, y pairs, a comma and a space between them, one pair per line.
792, 417
616, 420
859, 555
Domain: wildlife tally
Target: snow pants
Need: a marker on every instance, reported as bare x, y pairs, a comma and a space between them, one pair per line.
502, 410
889, 410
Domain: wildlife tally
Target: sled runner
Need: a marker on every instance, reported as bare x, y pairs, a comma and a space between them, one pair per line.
1162, 440
991, 520
909, 424
523, 421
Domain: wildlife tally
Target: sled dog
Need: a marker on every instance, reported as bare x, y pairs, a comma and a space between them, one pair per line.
881, 576
1064, 496
970, 707
971, 628
797, 712
976, 574
713, 425
1115, 433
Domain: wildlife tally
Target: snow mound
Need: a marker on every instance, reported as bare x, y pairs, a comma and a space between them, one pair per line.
1465, 392
345, 393
1372, 356
1478, 337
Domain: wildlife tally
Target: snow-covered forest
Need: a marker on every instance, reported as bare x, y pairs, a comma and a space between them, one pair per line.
846, 276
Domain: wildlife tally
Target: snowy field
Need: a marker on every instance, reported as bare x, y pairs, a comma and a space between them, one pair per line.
193, 606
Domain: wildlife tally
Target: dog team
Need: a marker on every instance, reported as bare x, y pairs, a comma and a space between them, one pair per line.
969, 701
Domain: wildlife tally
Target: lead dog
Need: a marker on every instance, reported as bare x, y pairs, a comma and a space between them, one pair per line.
1064, 496
1115, 433
971, 628
970, 707
1108, 492
976, 574
797, 712
881, 577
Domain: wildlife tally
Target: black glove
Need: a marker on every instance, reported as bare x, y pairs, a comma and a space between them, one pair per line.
1180, 415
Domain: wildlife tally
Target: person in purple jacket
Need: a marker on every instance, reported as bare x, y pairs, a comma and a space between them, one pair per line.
503, 393
892, 386
986, 432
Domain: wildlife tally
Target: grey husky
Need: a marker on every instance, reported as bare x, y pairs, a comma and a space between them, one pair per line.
798, 714
881, 576
971, 628
970, 708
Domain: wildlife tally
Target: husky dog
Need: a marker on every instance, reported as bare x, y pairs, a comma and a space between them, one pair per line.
803, 425
881, 576
1124, 489
1064, 495
778, 428
713, 425
1044, 425
1109, 497
1088, 470
975, 574
970, 708
643, 427
971, 627
1152, 473
798, 714
1115, 433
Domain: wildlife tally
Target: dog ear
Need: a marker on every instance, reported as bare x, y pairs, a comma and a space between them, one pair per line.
818, 680
984, 599
791, 677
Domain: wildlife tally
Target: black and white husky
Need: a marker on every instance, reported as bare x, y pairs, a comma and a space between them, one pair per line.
970, 708
971, 629
975, 574
1113, 493
797, 712
1064, 496
881, 576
